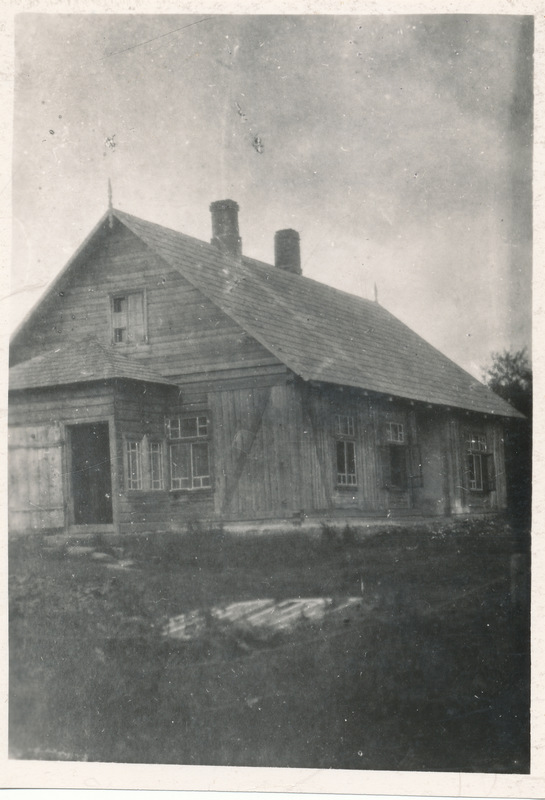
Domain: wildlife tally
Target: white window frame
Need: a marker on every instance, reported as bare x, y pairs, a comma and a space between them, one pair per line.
156, 482
138, 462
177, 438
345, 438
133, 451
477, 447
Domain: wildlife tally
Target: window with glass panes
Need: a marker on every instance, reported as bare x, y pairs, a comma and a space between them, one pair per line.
189, 452
480, 463
134, 464
345, 450
155, 452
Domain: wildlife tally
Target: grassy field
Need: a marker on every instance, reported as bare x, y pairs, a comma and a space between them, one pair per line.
433, 677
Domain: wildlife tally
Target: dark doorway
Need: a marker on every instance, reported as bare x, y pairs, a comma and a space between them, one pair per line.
91, 474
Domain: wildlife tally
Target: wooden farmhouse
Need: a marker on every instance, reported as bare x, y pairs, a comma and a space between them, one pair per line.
163, 379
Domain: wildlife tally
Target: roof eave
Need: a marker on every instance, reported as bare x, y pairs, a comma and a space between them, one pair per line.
55, 283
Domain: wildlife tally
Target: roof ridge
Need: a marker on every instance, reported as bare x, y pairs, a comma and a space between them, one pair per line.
287, 275
372, 348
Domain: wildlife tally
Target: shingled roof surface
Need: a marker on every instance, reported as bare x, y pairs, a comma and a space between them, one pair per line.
320, 333
79, 362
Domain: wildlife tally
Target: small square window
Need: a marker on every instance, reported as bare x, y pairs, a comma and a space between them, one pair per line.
395, 432
187, 427
477, 443
344, 425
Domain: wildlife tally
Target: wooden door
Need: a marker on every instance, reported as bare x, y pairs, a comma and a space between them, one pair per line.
90, 474
35, 490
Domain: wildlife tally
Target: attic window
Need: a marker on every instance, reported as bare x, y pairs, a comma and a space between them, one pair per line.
128, 318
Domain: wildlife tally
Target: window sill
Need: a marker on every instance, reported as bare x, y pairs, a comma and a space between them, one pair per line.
145, 491
205, 490
131, 346
343, 487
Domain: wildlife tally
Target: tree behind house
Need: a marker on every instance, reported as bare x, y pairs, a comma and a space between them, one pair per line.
509, 375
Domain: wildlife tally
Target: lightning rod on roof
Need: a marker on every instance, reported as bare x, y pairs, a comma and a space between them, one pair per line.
376, 293
110, 205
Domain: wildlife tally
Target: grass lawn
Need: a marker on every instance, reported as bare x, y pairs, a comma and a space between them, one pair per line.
435, 676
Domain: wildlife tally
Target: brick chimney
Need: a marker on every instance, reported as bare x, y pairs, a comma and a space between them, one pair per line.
225, 228
287, 253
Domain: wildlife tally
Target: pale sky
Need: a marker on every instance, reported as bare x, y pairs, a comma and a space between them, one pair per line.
399, 147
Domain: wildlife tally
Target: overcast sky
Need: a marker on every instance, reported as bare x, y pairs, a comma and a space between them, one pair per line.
399, 147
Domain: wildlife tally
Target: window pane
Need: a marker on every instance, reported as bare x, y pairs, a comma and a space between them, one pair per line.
134, 465
119, 335
478, 471
477, 443
395, 432
398, 467
341, 462
470, 472
350, 458
201, 467
174, 428
346, 463
180, 466
136, 317
156, 465
344, 425
120, 305
188, 427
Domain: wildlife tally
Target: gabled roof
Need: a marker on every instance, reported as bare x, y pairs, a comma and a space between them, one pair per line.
320, 333
79, 362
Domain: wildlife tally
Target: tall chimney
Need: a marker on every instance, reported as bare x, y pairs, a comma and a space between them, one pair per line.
287, 253
225, 228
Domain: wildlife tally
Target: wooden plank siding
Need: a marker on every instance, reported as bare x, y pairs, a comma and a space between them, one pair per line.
187, 333
436, 434
272, 435
140, 410
40, 475
35, 489
320, 406
475, 501
256, 451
